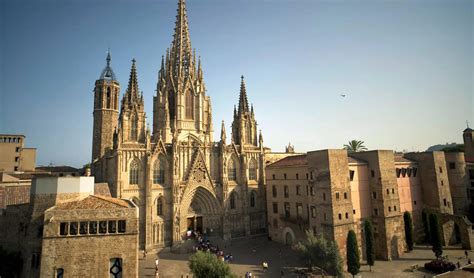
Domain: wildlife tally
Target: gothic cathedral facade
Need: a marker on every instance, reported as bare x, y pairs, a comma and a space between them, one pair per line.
176, 174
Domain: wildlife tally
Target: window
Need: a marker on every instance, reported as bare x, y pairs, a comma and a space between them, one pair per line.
133, 174
393, 190
112, 227
347, 215
298, 190
133, 129
345, 195
275, 223
311, 189
122, 225
388, 191
253, 170
115, 268
324, 196
274, 191
189, 105
353, 211
414, 171
108, 97
404, 172
17, 158
299, 210
452, 165
351, 175
59, 272
102, 227
93, 227
398, 171
273, 176
73, 228
83, 228
311, 174
313, 211
307, 177
297, 177
287, 210
395, 208
414, 202
63, 228
337, 195
275, 207
372, 173
232, 200
389, 209
232, 171
376, 212
441, 169
253, 196
286, 191
445, 203
340, 216
442, 183
35, 260
374, 195
409, 170
159, 170
159, 206
16, 168
284, 176
324, 216
17, 149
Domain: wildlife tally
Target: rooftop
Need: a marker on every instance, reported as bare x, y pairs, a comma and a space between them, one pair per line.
94, 202
295, 160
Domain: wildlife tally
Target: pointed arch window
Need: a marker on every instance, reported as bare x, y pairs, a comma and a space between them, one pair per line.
159, 206
231, 170
133, 173
189, 105
232, 200
108, 97
159, 171
253, 170
253, 199
133, 129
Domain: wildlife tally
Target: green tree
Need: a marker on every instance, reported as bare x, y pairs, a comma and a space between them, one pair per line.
436, 240
353, 256
408, 230
425, 215
207, 265
369, 243
355, 146
318, 252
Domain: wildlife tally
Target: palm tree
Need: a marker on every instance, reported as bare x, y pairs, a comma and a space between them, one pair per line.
355, 146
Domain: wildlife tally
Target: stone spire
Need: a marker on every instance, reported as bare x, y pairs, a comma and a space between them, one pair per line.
243, 102
223, 133
181, 50
132, 95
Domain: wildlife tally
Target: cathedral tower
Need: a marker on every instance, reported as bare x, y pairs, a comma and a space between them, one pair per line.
132, 119
181, 104
106, 94
244, 125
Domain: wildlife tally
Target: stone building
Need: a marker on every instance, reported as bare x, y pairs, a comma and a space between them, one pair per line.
331, 192
177, 175
14, 156
66, 229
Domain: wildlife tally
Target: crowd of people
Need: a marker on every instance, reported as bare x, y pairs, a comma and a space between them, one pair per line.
205, 245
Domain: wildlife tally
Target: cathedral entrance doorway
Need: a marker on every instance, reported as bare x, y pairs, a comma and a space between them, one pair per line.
203, 213
195, 223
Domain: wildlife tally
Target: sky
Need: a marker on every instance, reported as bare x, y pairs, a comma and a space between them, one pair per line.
406, 68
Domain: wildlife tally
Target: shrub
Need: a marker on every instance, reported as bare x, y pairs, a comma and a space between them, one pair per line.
440, 266
353, 256
408, 230
207, 265
369, 243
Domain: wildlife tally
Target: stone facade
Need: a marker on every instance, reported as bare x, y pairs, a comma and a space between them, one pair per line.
331, 192
176, 174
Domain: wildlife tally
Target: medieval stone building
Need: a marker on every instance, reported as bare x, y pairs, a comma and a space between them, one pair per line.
177, 175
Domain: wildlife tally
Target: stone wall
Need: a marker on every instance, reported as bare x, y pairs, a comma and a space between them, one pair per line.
458, 182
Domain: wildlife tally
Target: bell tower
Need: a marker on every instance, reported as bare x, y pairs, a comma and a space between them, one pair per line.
106, 94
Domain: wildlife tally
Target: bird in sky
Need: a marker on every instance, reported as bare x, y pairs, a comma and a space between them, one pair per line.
343, 95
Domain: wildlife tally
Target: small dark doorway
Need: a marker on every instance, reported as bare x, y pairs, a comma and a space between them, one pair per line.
199, 224
190, 223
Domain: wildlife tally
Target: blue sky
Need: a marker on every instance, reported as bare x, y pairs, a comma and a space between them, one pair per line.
406, 67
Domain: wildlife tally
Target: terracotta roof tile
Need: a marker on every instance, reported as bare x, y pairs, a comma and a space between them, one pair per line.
295, 160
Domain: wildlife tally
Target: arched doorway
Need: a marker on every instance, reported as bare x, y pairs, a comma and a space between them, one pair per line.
288, 238
203, 213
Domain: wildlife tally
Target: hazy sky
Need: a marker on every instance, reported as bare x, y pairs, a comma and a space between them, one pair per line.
406, 67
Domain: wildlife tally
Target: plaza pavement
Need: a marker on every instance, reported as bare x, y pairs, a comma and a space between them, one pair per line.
250, 253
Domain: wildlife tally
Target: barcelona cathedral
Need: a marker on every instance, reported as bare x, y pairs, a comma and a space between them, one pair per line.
175, 173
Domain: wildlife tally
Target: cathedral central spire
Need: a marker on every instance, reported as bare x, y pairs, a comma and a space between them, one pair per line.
181, 51
243, 102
